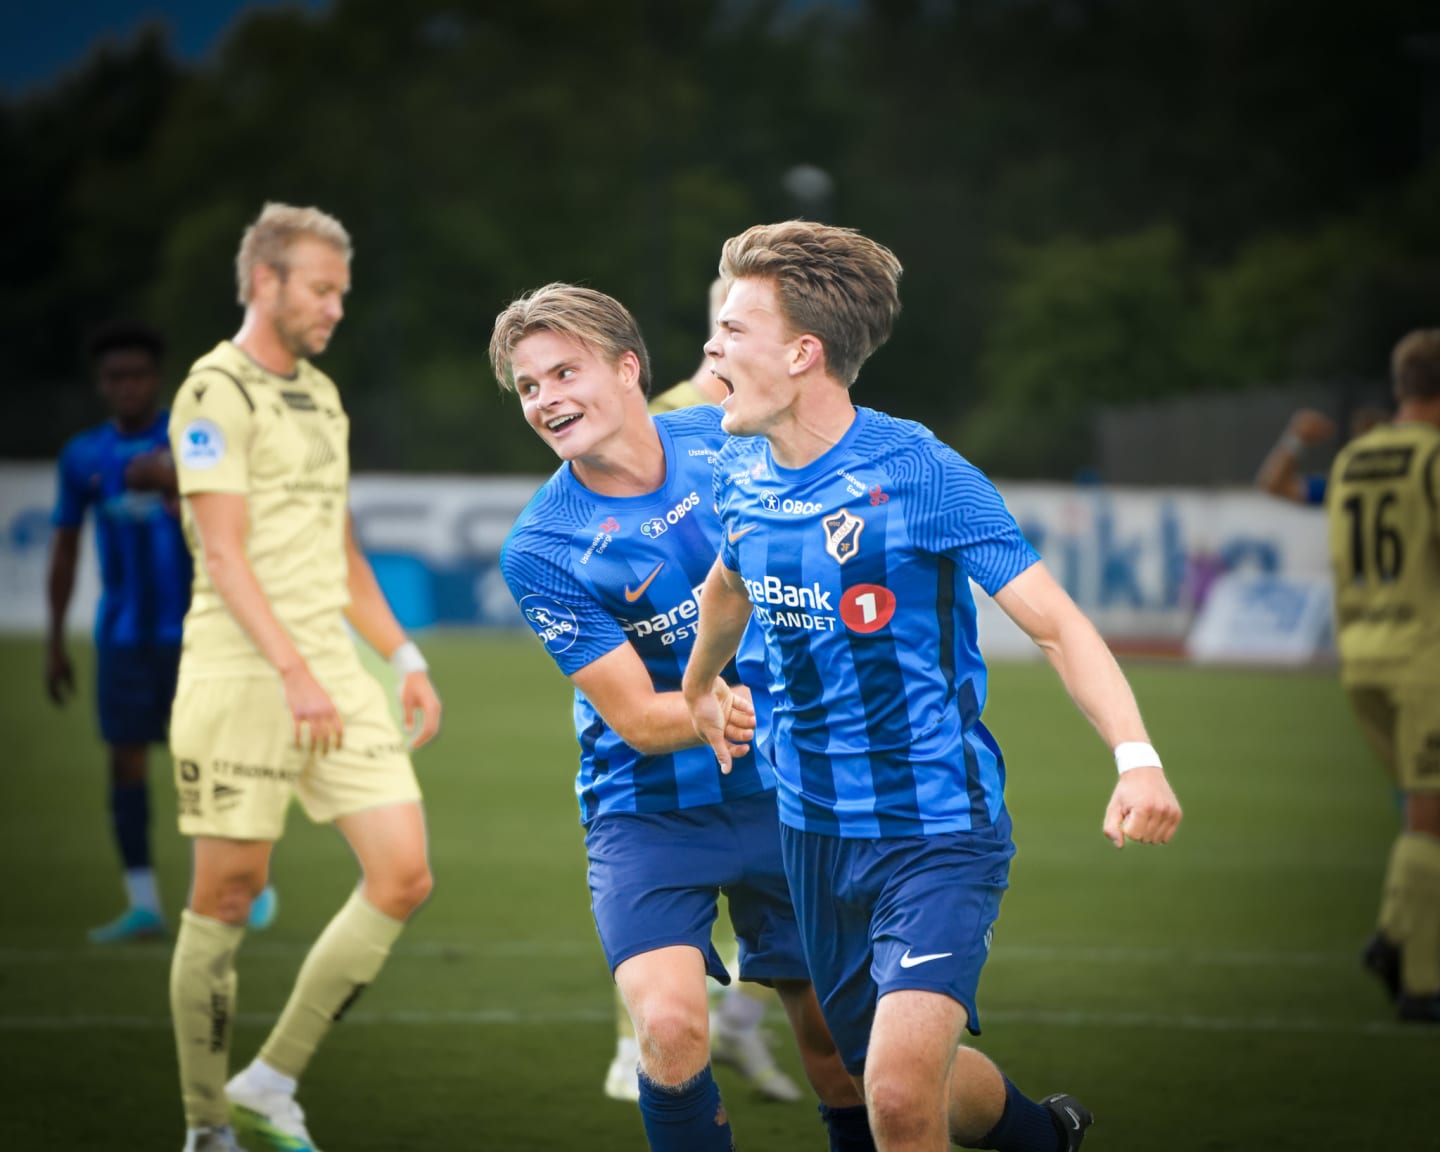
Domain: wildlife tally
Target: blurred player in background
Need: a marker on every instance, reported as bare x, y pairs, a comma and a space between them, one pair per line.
1384, 510
272, 699
122, 470
604, 562
850, 537
736, 1036
1280, 472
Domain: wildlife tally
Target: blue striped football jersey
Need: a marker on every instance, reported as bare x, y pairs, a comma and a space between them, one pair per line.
591, 573
144, 565
858, 567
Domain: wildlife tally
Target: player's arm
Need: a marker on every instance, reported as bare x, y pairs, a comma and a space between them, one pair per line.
222, 522
1280, 473
370, 615
59, 586
654, 723
153, 472
724, 613
1143, 805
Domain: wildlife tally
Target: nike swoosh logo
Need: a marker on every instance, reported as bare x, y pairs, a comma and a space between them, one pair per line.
908, 961
631, 597
734, 536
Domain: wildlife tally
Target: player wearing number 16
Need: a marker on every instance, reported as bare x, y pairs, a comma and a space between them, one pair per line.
1384, 507
852, 538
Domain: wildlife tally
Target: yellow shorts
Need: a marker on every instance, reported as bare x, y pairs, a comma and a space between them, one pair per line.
1402, 724
236, 764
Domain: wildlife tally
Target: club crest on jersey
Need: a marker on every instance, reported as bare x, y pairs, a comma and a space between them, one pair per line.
842, 534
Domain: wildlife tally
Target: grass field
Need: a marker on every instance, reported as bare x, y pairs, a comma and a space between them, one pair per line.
1199, 998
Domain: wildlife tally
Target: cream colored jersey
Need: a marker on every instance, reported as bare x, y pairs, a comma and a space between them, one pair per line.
282, 443
1383, 503
683, 395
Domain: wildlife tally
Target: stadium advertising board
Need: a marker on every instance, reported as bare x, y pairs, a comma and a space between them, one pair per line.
1139, 561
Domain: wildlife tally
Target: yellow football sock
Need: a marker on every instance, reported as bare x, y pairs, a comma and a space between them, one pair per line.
202, 1006
348, 956
1410, 911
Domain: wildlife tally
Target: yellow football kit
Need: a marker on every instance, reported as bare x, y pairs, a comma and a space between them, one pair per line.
1384, 511
282, 443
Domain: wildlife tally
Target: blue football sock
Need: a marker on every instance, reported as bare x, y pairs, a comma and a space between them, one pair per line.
687, 1118
130, 817
849, 1128
1024, 1126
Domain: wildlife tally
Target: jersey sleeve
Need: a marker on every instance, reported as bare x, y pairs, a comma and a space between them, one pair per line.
72, 491
955, 511
211, 423
574, 627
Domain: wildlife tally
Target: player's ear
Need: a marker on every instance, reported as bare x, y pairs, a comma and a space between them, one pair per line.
809, 353
629, 367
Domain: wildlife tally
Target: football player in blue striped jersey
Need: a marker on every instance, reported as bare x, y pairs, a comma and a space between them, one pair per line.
851, 538
605, 563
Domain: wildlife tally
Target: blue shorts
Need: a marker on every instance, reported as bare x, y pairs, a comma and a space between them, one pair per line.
879, 916
135, 688
655, 879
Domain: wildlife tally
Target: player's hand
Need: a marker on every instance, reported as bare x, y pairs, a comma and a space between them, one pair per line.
419, 709
712, 716
1142, 808
59, 676
1311, 427
314, 713
151, 472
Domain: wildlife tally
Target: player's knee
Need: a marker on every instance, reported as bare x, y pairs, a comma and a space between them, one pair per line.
897, 1105
673, 1037
399, 893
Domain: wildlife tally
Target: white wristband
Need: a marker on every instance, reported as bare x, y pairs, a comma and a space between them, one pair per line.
1134, 754
407, 658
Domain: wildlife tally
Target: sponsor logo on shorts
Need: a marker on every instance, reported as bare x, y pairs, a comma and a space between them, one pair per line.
909, 961
225, 797
202, 445
254, 771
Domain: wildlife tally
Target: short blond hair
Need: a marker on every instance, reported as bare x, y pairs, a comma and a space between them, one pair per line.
833, 283
1415, 365
268, 240
583, 314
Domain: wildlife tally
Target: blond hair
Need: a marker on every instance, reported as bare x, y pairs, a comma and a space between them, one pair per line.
268, 240
832, 283
582, 314
1415, 365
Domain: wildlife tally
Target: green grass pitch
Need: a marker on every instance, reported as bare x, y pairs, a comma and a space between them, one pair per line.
1200, 998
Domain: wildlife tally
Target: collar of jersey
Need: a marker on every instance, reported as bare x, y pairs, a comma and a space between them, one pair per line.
825, 462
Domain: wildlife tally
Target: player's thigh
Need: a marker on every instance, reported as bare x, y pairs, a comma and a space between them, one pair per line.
1417, 738
915, 1036
760, 906
235, 762
833, 916
939, 900
371, 768
134, 688
654, 882
1376, 715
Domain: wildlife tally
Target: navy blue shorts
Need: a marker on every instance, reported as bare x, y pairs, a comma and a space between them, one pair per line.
135, 688
879, 916
655, 879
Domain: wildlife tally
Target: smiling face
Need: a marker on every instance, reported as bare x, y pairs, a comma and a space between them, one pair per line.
576, 400
757, 357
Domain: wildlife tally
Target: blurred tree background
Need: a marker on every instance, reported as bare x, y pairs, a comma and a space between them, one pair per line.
1096, 201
